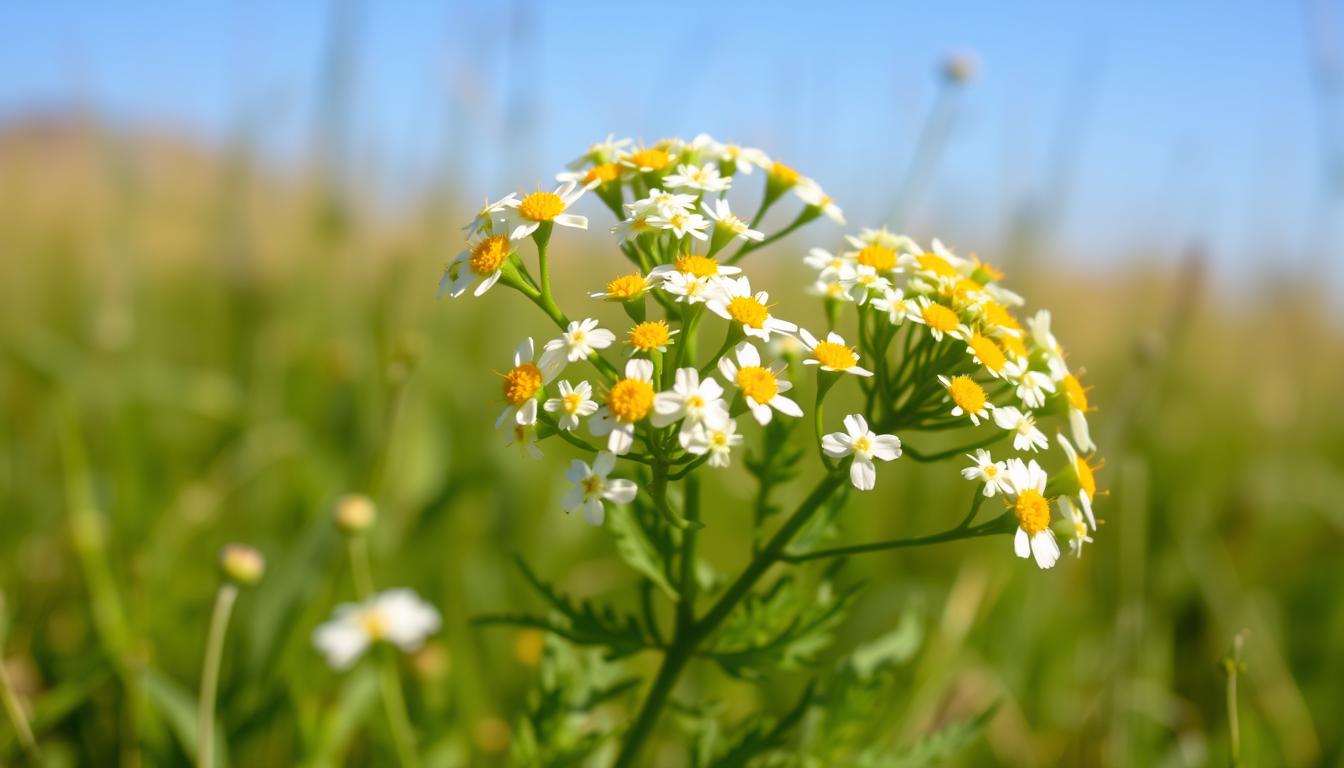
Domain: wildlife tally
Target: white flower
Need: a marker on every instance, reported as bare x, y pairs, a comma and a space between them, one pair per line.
734, 301
704, 177
629, 401
761, 387
1076, 396
591, 487
524, 438
682, 224
993, 473
885, 238
940, 319
660, 203
812, 195
631, 228
837, 266
727, 221
482, 260
1039, 327
718, 442
581, 339
484, 220
574, 402
601, 152
892, 303
1031, 386
690, 288
833, 354
857, 439
1033, 537
1080, 532
539, 207
691, 399
743, 157
830, 290
1027, 437
1082, 472
863, 280
968, 397
693, 266
523, 382
397, 616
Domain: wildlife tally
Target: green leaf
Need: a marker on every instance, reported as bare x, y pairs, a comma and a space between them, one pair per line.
637, 550
357, 700
178, 707
893, 648
783, 627
762, 736
942, 744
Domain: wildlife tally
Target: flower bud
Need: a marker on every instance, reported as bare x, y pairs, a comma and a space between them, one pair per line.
241, 564
960, 67
355, 513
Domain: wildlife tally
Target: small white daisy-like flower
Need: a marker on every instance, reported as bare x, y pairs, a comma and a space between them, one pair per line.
987, 353
592, 487
1076, 396
940, 320
835, 266
892, 303
650, 336
681, 224
523, 438
522, 383
575, 402
484, 220
623, 288
647, 159
762, 387
690, 399
830, 290
396, 616
743, 158
884, 237
629, 400
694, 266
690, 288
1034, 537
581, 339
735, 301
540, 207
832, 354
703, 177
483, 260
812, 195
1082, 473
717, 441
993, 473
1027, 437
661, 203
862, 281
631, 228
882, 258
865, 445
601, 152
728, 222
968, 398
1031, 386
1080, 530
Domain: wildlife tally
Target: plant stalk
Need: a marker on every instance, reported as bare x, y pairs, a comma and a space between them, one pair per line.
214, 655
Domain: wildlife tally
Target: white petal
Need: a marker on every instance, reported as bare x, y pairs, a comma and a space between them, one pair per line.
1045, 548
621, 491
856, 425
603, 464
886, 447
594, 512
341, 640
621, 439
1022, 543
786, 406
863, 475
746, 355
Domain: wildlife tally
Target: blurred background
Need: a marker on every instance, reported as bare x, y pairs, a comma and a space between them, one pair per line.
222, 224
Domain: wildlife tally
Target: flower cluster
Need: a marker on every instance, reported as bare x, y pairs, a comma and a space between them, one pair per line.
939, 344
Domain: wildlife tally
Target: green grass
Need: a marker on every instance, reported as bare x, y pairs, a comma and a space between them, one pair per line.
195, 354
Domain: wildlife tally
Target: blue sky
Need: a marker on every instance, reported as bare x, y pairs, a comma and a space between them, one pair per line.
1177, 120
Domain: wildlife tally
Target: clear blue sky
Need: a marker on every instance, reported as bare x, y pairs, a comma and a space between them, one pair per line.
1183, 119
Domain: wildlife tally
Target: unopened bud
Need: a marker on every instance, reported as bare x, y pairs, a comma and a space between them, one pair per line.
241, 564
960, 67
355, 513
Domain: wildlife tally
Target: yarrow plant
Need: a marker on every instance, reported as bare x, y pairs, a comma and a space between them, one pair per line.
921, 347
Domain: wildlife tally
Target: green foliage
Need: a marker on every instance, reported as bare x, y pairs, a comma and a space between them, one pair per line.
785, 627
559, 727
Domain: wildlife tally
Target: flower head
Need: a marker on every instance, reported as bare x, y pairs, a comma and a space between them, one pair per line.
1026, 437
994, 474
575, 402
716, 440
1034, 537
735, 301
833, 354
524, 381
691, 400
865, 445
580, 339
592, 487
480, 263
398, 617
762, 387
629, 400
968, 398
539, 207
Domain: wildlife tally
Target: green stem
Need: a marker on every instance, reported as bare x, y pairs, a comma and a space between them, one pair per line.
214, 654
684, 645
931, 457
690, 539
995, 526
13, 709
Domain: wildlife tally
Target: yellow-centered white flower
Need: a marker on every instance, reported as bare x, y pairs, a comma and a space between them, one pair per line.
727, 221
1034, 537
592, 486
832, 354
703, 177
994, 474
968, 397
690, 401
537, 208
523, 382
580, 339
482, 261
1026, 436
575, 402
865, 445
761, 387
735, 302
629, 401
396, 616
717, 441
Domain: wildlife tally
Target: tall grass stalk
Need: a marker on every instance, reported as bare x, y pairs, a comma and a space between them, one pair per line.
214, 652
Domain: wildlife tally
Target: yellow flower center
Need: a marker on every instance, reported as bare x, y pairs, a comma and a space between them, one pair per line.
602, 173
372, 624
571, 402
1075, 392
489, 254
521, 383
653, 159
626, 287
697, 266
719, 439
650, 335
985, 272
1033, 511
630, 399
932, 262
757, 383
987, 352
541, 206
997, 314
862, 445
1086, 480
592, 486
748, 311
939, 318
784, 173
1014, 345
968, 395
878, 257
836, 356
